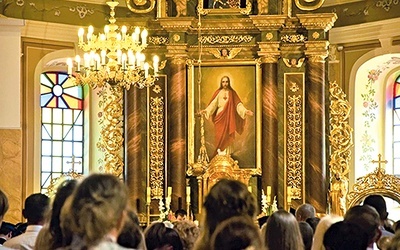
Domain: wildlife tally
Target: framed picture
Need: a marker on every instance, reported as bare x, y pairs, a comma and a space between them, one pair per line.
228, 7
209, 97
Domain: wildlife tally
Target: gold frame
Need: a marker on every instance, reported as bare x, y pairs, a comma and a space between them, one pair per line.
230, 11
192, 155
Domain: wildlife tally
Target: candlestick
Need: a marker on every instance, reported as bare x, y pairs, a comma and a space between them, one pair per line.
148, 195
268, 190
169, 193
289, 195
187, 194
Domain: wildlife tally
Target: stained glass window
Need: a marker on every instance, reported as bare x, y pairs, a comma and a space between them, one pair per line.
396, 127
62, 126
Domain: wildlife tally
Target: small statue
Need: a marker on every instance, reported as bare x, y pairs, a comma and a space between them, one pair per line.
262, 6
224, 53
293, 63
180, 7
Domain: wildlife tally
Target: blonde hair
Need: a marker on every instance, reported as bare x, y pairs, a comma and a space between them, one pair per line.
321, 228
95, 208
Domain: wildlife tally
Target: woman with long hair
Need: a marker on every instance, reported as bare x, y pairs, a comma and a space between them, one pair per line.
95, 213
227, 198
282, 232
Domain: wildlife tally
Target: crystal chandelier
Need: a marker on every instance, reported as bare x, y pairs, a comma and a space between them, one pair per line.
114, 57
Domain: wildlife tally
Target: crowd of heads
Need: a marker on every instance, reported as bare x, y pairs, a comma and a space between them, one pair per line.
95, 214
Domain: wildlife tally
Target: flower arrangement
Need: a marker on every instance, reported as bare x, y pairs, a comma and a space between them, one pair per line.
164, 210
267, 207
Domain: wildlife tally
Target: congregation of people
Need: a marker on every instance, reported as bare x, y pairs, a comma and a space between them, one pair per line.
94, 214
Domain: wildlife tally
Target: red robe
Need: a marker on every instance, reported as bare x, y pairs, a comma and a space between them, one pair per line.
227, 122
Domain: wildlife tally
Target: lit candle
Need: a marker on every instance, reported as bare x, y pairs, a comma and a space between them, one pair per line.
148, 195
250, 189
90, 32
119, 55
124, 61
136, 35
146, 67
106, 30
169, 193
78, 63
289, 195
97, 59
69, 64
123, 31
155, 64
188, 194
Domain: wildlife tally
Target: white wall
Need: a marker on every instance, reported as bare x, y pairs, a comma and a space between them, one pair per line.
10, 77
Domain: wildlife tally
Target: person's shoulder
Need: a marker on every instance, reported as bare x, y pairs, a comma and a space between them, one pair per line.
4, 248
107, 245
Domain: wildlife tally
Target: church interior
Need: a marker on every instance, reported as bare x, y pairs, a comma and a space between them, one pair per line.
319, 81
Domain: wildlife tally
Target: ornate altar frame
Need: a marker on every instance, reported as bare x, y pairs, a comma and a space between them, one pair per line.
377, 182
192, 105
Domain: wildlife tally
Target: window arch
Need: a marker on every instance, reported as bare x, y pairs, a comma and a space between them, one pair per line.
62, 127
396, 127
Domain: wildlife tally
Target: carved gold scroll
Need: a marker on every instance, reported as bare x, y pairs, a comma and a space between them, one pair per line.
341, 141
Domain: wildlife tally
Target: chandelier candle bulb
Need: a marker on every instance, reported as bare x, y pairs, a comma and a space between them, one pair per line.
78, 63
146, 69
69, 63
81, 32
103, 57
124, 61
144, 37
155, 64
123, 31
114, 56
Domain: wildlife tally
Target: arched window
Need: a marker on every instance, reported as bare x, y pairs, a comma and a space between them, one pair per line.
396, 127
62, 127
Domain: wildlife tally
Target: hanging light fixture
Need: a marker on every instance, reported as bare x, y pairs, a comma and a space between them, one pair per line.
114, 57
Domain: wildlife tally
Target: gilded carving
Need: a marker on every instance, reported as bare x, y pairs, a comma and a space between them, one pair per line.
309, 4
156, 147
293, 62
224, 53
176, 37
226, 39
296, 38
377, 182
111, 120
158, 40
315, 35
341, 141
269, 36
137, 7
262, 6
317, 51
294, 143
180, 7
322, 21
